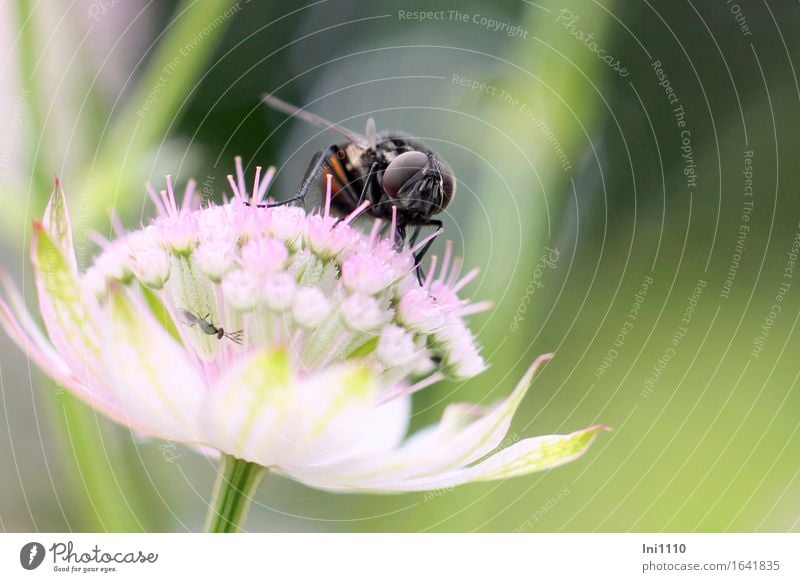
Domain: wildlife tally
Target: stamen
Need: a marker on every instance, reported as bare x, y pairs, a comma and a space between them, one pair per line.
373, 234
189, 197
328, 195
421, 385
425, 241
261, 190
465, 280
431, 272
240, 177
172, 205
256, 185
165, 202
116, 223
394, 223
236, 192
455, 270
353, 215
156, 200
477, 308
99, 240
448, 253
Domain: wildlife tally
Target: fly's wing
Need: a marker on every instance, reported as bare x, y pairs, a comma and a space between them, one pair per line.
289, 109
186, 317
345, 186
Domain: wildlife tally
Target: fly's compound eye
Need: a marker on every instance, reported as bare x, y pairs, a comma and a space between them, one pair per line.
401, 170
448, 184
435, 186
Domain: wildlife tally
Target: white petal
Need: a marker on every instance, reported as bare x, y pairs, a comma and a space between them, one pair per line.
26, 335
527, 456
333, 413
388, 424
153, 379
27, 332
93, 391
70, 312
466, 433
251, 398
262, 412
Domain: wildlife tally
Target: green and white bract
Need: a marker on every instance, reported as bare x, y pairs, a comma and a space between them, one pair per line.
336, 335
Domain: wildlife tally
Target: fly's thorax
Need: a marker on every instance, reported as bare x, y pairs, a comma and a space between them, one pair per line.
354, 160
208, 328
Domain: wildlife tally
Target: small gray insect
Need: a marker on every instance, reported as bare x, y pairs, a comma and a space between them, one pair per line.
188, 318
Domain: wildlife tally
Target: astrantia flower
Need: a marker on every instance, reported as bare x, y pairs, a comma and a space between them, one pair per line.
290, 340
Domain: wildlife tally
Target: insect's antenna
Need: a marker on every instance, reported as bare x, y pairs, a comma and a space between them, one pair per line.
236, 337
289, 109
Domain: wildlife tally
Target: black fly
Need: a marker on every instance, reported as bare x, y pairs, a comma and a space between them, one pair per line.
398, 174
190, 319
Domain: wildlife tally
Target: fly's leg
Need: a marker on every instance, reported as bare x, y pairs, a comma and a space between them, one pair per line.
368, 185
312, 174
424, 250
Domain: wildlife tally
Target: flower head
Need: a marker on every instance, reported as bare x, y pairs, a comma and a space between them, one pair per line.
287, 339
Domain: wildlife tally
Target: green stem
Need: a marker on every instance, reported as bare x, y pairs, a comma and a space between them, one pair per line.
236, 484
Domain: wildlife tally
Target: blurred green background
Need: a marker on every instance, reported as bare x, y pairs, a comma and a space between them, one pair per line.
628, 185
